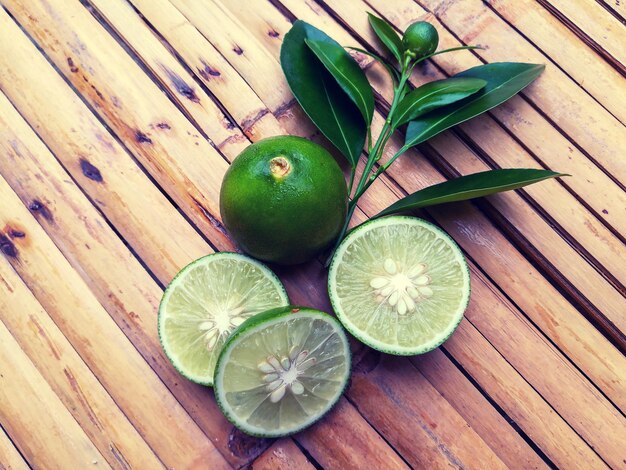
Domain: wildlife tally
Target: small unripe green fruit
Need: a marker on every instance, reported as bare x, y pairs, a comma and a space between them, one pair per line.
420, 39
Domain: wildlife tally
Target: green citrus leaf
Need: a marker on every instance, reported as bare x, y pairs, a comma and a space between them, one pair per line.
347, 73
504, 80
387, 35
469, 187
321, 97
434, 95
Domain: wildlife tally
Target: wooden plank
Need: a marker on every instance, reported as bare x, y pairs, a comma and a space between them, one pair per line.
557, 95
352, 446
595, 26
138, 392
10, 458
391, 393
582, 406
282, 455
172, 76
468, 401
224, 34
33, 415
520, 401
125, 288
181, 161
120, 189
68, 376
210, 67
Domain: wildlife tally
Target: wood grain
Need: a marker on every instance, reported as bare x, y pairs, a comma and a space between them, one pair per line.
33, 415
10, 458
282, 455
70, 378
118, 120
121, 370
470, 403
177, 157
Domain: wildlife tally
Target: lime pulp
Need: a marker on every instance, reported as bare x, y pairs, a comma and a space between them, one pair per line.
205, 302
282, 370
399, 284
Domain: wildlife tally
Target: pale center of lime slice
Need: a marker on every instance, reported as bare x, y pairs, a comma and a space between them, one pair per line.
282, 375
402, 287
221, 322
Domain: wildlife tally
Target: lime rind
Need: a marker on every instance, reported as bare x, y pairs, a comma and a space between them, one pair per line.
257, 324
363, 335
207, 379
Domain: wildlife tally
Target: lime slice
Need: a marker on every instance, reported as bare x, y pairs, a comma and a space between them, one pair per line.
399, 284
282, 370
205, 302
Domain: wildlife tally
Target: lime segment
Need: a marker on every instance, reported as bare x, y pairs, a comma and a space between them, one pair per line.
399, 284
282, 370
205, 302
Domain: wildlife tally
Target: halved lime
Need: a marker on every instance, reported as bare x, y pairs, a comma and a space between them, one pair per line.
205, 302
282, 370
399, 284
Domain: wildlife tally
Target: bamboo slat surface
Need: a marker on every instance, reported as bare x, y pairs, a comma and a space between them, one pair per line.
118, 119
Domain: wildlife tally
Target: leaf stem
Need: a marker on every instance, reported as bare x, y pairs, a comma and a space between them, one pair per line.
382, 168
352, 173
374, 155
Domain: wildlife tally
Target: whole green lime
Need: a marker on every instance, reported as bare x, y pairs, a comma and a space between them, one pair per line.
420, 39
284, 199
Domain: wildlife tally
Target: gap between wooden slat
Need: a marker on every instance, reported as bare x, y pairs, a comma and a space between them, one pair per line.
612, 7
10, 454
583, 35
555, 62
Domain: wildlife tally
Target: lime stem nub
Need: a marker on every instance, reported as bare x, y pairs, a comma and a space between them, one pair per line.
280, 167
